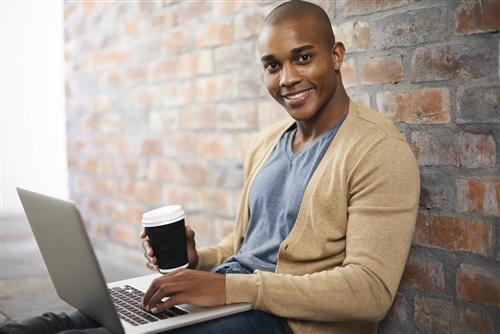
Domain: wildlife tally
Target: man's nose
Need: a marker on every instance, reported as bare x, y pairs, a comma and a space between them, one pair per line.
289, 76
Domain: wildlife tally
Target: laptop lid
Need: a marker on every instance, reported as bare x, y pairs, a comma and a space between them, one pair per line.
69, 257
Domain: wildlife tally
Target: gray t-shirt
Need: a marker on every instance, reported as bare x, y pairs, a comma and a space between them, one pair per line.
275, 199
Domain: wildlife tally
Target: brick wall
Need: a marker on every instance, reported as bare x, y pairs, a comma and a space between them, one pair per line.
163, 98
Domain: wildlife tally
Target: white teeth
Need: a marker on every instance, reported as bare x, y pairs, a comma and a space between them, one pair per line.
296, 96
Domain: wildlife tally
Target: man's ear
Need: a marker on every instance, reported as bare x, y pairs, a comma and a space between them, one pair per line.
338, 51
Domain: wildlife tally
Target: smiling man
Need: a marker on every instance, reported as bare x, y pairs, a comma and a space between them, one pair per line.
329, 202
328, 206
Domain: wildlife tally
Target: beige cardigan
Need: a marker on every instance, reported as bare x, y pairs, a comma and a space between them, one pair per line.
339, 268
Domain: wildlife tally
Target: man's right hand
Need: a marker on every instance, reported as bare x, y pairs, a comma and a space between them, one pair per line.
151, 258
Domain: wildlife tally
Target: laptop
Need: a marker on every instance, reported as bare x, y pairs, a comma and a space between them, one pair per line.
78, 279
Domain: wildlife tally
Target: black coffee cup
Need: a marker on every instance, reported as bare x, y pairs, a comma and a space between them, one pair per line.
165, 228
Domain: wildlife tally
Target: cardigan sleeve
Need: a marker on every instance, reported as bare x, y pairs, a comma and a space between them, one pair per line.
383, 201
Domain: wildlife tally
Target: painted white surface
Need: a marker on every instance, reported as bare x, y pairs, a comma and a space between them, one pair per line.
33, 137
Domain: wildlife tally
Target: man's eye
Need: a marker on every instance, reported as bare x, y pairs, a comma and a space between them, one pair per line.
304, 58
271, 67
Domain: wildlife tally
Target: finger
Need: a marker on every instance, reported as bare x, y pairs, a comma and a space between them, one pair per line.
166, 290
150, 252
169, 303
145, 244
189, 233
143, 234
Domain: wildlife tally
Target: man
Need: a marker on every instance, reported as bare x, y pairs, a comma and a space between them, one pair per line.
328, 208
329, 202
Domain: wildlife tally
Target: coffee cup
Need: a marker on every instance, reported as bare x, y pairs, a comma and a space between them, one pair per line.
165, 229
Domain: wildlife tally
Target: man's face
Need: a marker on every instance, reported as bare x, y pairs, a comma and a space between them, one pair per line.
298, 67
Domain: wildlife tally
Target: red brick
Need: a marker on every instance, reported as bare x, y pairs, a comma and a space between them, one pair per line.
216, 201
202, 226
248, 23
478, 104
136, 74
86, 7
356, 36
454, 234
193, 173
133, 214
469, 321
196, 117
69, 9
126, 234
241, 55
426, 106
477, 151
474, 17
180, 144
349, 74
222, 8
188, 197
412, 27
90, 166
359, 96
190, 64
479, 196
363, 7
133, 169
176, 93
436, 192
144, 98
189, 11
480, 285
435, 147
214, 88
239, 115
423, 274
148, 192
215, 33
162, 170
222, 146
131, 28
111, 123
163, 121
151, 147
433, 315
398, 315
163, 70
162, 21
452, 61
381, 70
177, 41
223, 227
111, 79
109, 166
270, 112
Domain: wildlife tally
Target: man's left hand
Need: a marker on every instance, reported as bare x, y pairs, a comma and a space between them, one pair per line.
185, 286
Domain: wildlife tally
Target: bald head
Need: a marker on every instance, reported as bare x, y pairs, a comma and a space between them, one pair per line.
297, 10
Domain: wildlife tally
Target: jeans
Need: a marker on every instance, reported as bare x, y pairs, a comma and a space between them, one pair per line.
248, 322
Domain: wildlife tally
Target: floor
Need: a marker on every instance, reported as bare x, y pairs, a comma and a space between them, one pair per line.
25, 286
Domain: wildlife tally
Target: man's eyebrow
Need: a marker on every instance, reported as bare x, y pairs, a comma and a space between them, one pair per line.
294, 51
266, 58
302, 48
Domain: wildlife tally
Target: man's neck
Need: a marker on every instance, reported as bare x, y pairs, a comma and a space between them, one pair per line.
309, 130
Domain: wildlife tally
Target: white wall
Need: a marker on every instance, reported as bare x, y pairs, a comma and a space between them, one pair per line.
33, 138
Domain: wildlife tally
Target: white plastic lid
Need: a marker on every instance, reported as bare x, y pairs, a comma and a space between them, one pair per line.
165, 215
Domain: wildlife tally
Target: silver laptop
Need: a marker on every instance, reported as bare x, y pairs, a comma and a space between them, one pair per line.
78, 279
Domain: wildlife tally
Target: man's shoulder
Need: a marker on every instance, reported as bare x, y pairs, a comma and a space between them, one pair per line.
367, 122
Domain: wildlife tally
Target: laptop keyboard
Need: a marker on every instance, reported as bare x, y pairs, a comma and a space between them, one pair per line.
127, 300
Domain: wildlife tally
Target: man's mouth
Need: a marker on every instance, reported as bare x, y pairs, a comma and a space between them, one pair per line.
297, 98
